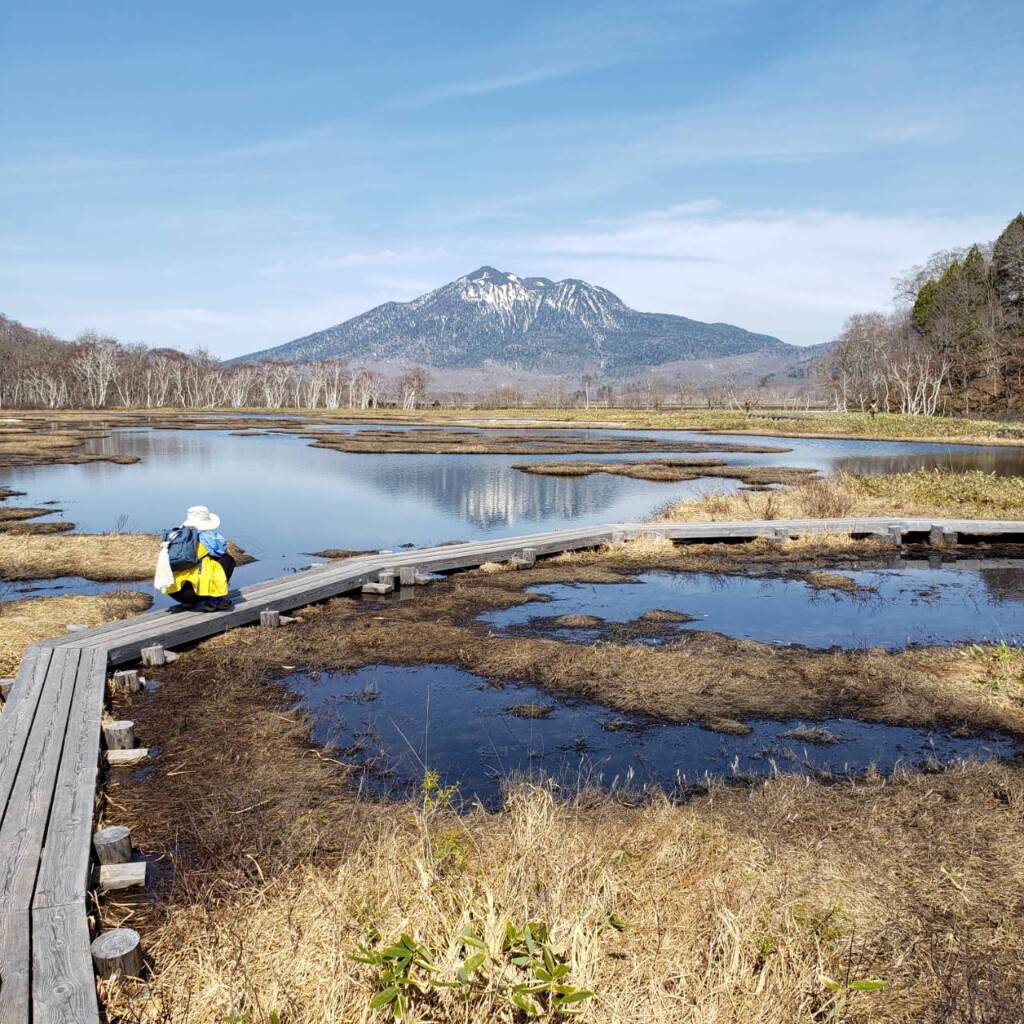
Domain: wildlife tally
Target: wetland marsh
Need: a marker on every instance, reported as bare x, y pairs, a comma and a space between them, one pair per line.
739, 740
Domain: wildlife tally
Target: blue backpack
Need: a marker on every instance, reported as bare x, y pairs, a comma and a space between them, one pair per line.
182, 546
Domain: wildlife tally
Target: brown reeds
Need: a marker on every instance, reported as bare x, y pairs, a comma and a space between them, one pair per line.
31, 619
674, 471
760, 905
972, 495
104, 557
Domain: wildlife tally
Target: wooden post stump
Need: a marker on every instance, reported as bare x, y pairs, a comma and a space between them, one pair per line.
154, 657
119, 735
271, 619
896, 535
525, 559
407, 575
126, 679
950, 538
618, 537
113, 845
118, 954
936, 536
5, 687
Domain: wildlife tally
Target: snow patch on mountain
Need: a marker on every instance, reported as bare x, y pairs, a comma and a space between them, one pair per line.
491, 316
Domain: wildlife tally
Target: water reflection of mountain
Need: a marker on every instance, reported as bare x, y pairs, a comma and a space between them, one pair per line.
485, 492
1000, 461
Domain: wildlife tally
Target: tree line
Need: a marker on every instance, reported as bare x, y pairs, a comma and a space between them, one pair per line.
39, 371
954, 345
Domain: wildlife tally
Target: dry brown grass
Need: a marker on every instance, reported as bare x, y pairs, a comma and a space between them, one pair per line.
836, 581
35, 444
735, 907
973, 495
33, 619
674, 471
102, 556
455, 441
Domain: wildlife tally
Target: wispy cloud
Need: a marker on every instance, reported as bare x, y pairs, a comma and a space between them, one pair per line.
794, 273
477, 87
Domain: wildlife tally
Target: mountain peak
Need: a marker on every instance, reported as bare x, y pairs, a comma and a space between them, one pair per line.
493, 316
491, 276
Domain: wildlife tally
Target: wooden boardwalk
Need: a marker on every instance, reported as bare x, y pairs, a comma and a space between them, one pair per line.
50, 733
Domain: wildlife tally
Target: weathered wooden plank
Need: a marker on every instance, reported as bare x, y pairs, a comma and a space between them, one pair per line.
23, 829
64, 863
25, 689
63, 980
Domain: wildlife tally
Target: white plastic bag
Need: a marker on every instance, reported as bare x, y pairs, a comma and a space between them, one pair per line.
164, 576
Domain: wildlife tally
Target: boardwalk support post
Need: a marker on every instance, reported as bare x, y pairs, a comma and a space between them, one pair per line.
154, 657
407, 575
113, 845
119, 735
936, 536
950, 538
126, 679
525, 559
118, 954
270, 618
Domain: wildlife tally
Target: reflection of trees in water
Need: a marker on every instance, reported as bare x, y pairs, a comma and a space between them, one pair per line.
1001, 461
490, 494
1004, 584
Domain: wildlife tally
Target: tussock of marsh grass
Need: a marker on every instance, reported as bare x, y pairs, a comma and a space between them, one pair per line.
971, 495
29, 620
104, 557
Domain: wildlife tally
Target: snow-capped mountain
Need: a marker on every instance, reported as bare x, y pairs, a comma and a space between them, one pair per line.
491, 317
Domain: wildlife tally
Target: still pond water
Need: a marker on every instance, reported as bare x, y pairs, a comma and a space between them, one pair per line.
281, 499
893, 607
394, 722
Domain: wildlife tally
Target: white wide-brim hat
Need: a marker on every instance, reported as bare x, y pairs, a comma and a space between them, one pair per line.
201, 518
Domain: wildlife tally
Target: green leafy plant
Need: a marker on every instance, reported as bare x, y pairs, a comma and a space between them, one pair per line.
547, 988
435, 795
530, 971
845, 989
404, 969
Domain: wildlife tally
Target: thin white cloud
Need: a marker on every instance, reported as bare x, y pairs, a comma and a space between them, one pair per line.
796, 274
477, 87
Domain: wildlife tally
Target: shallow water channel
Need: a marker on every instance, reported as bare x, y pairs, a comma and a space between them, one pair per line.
396, 722
890, 608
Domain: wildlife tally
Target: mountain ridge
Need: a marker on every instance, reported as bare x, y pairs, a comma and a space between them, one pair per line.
493, 316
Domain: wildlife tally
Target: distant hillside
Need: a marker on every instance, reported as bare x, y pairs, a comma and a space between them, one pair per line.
531, 323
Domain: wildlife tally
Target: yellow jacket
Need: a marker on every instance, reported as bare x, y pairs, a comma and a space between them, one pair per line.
207, 576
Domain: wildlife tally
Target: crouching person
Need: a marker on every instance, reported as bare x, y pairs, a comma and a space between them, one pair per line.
197, 555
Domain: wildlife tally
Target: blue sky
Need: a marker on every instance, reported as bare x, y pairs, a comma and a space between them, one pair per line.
236, 175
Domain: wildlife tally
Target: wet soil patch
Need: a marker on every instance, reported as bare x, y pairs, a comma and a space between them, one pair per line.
441, 718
